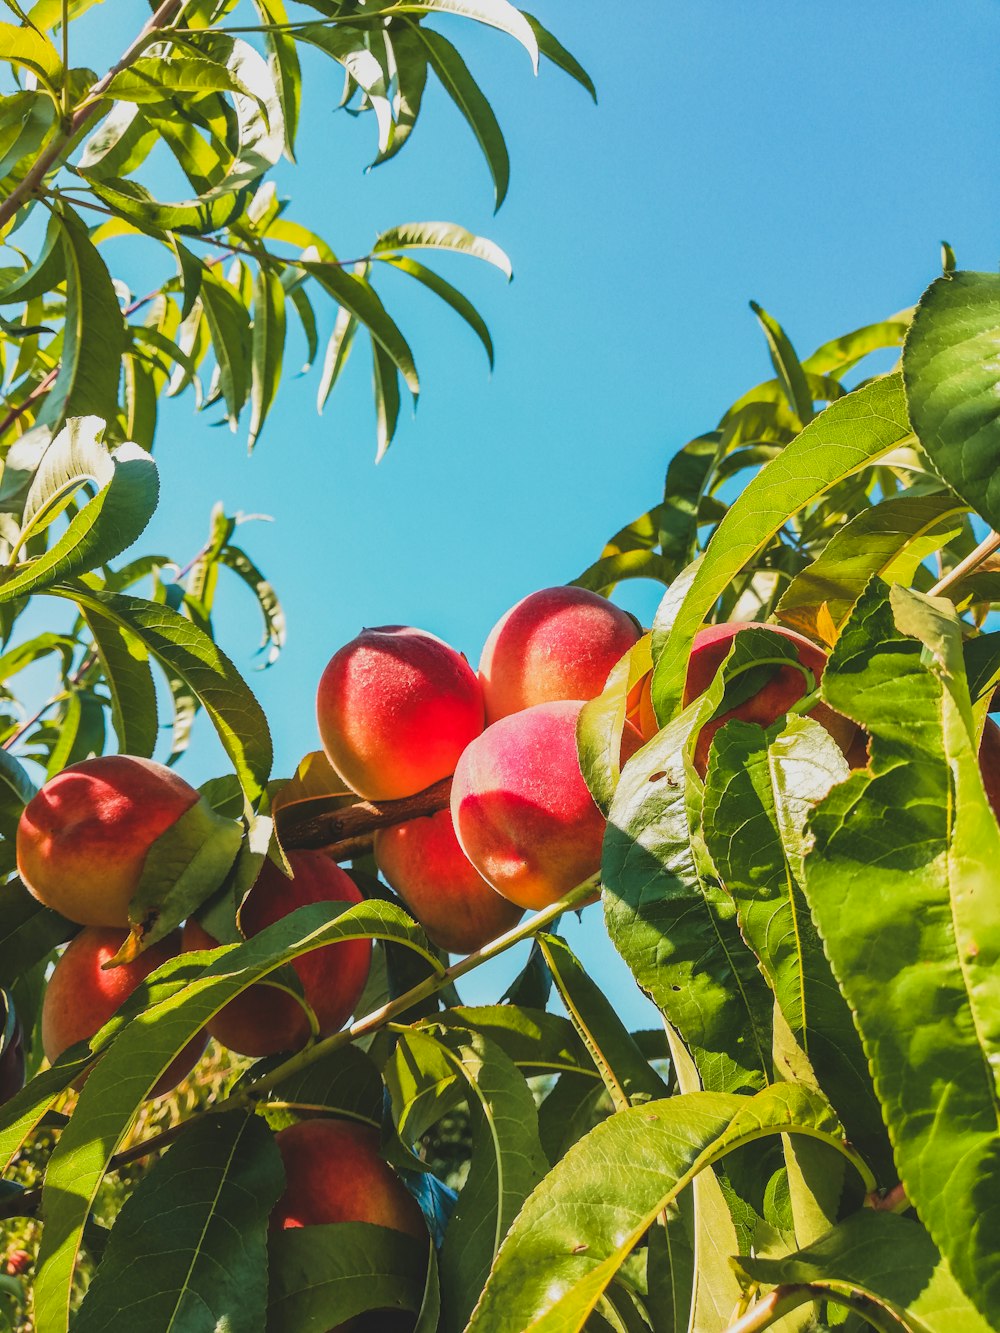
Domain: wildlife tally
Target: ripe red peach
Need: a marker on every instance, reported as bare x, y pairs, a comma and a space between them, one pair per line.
786, 686
82, 841
522, 810
81, 995
559, 643
423, 862
396, 707
263, 1019
334, 1173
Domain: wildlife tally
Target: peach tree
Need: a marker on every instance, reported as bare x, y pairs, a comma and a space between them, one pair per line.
791, 775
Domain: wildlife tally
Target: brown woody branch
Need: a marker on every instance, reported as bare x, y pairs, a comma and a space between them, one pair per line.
344, 831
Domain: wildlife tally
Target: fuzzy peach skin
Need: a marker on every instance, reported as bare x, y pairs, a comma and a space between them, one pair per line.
522, 811
786, 686
81, 996
334, 1173
396, 707
423, 862
82, 841
264, 1020
559, 643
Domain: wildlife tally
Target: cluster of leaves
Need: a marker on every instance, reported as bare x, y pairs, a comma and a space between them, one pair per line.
194, 83
812, 1141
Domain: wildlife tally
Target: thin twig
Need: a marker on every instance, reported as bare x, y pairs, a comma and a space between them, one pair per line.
983, 551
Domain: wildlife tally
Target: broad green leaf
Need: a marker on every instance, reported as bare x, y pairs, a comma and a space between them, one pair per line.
356, 295
140, 1053
759, 790
787, 366
677, 930
901, 885
628, 1076
195, 217
26, 120
338, 349
93, 332
605, 574
580, 1225
385, 386
320, 1274
47, 272
187, 653
841, 354
467, 95
410, 61
128, 490
120, 144
498, 14
850, 434
344, 1083
229, 324
553, 50
507, 1159
441, 236
28, 931
267, 347
601, 723
890, 1260
283, 61
154, 78
21, 1116
535, 1041
952, 379
175, 1259
32, 50
267, 599
890, 539
125, 666
449, 294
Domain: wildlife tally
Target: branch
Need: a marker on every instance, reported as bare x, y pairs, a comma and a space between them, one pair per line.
983, 551
21, 193
324, 823
774, 1306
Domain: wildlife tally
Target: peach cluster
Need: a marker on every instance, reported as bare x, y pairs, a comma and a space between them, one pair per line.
399, 710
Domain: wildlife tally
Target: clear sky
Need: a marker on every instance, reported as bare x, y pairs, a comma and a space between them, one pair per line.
809, 156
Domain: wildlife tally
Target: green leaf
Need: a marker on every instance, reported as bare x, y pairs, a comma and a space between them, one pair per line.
338, 349
847, 436
786, 364
450, 295
890, 539
411, 80
267, 347
145, 1047
334, 1272
356, 295
535, 1041
385, 385
498, 14
187, 653
507, 1159
104, 527
952, 380
28, 931
125, 666
283, 62
155, 78
446, 236
676, 929
553, 50
467, 95
590, 1212
901, 885
888, 1259
267, 599
344, 1083
120, 144
32, 50
93, 332
759, 789
624, 1070
26, 119
174, 1253
843, 353
601, 723
605, 574
229, 324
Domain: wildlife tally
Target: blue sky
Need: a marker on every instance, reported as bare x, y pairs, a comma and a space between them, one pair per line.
809, 156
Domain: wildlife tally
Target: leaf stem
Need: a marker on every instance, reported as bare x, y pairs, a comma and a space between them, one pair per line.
983, 551
775, 1305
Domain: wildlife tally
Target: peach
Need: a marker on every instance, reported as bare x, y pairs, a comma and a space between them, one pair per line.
639, 707
81, 995
82, 841
263, 1019
423, 862
522, 810
786, 686
396, 707
556, 644
334, 1173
